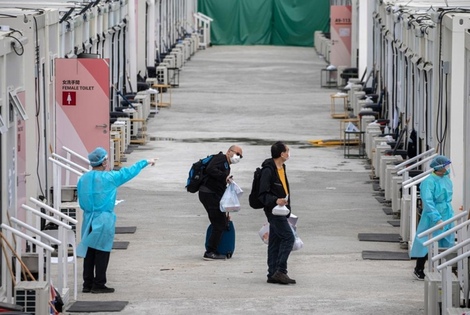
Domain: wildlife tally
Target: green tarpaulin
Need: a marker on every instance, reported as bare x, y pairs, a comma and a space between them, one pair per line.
266, 22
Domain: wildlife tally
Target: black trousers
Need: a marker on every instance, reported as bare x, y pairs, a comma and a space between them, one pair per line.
218, 219
420, 262
95, 265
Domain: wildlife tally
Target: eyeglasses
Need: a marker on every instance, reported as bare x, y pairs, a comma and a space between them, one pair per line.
239, 154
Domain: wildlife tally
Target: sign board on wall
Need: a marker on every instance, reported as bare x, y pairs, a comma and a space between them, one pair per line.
82, 104
340, 54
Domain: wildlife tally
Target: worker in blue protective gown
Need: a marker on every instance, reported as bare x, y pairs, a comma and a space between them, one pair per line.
436, 195
97, 191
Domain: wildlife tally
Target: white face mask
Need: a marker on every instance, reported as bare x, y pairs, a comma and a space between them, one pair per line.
235, 159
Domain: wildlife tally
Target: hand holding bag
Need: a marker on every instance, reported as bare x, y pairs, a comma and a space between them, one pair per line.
280, 210
264, 233
229, 201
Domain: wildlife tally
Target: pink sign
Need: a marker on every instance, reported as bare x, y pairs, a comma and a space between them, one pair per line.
82, 105
340, 54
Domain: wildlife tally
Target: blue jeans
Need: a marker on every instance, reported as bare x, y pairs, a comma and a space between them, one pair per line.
281, 241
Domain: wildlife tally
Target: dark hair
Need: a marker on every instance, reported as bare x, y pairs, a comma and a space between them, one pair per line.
277, 149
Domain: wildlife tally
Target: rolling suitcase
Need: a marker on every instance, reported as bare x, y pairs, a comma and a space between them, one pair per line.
227, 243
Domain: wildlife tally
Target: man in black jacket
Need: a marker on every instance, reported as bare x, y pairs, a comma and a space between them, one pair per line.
210, 193
273, 191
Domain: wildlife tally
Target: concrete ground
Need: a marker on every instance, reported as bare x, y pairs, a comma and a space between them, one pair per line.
254, 96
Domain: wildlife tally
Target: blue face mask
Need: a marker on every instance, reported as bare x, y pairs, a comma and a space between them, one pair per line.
447, 172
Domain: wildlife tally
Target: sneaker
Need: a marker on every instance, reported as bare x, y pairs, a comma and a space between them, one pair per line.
419, 274
86, 290
213, 256
281, 278
103, 289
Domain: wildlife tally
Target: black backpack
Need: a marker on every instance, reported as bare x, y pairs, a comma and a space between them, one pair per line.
255, 203
196, 174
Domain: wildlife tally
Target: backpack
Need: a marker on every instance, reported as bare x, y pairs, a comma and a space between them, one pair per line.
196, 174
255, 203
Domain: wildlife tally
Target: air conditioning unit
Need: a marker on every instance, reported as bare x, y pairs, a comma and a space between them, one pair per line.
127, 123
116, 141
120, 128
33, 297
395, 193
170, 60
135, 115
178, 57
405, 219
72, 209
111, 152
390, 172
378, 153
433, 293
170, 63
162, 74
354, 88
372, 131
183, 52
187, 47
386, 160
143, 98
366, 120
339, 71
195, 41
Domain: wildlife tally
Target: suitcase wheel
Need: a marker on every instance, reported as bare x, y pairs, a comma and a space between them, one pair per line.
229, 255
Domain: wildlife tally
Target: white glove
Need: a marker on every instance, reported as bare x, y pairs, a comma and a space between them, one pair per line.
151, 162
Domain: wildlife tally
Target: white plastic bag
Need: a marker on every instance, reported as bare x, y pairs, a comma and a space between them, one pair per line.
264, 235
229, 201
280, 210
237, 189
298, 244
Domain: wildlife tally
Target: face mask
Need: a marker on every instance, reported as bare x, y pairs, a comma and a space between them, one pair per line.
235, 159
447, 172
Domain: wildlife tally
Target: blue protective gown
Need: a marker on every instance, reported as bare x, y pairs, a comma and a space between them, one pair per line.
436, 195
96, 192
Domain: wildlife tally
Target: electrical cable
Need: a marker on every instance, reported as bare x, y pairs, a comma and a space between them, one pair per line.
113, 98
13, 45
16, 31
38, 105
439, 127
124, 56
426, 107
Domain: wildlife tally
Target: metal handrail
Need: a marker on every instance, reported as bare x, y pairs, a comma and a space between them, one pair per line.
417, 179
27, 237
47, 217
406, 169
55, 211
65, 166
451, 250
70, 162
36, 231
40, 254
76, 154
453, 260
414, 158
441, 225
